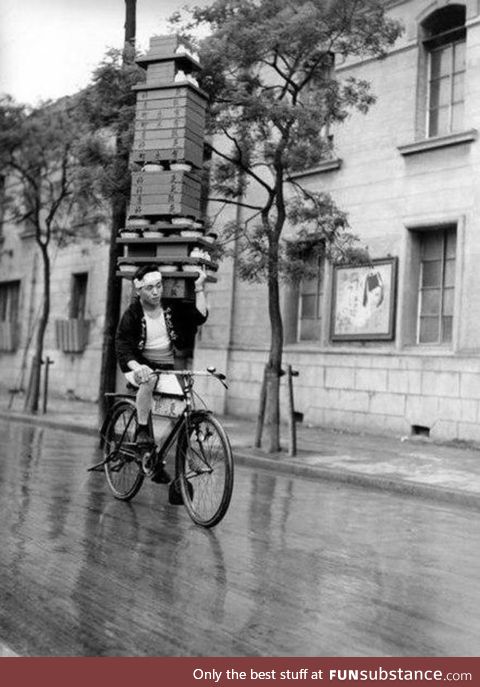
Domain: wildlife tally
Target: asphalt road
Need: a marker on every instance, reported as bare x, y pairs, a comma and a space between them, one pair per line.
297, 568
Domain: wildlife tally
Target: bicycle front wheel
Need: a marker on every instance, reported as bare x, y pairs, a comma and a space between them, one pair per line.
204, 468
122, 469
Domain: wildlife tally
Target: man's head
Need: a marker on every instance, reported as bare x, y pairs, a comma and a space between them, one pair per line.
148, 282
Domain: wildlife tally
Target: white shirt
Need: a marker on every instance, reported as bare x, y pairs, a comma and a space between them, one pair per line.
157, 336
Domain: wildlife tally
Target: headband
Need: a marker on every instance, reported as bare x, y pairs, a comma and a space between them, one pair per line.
148, 278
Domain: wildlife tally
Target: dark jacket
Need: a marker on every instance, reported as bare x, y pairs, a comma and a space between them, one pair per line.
182, 320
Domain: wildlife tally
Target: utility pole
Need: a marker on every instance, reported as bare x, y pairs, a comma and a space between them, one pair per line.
108, 369
130, 22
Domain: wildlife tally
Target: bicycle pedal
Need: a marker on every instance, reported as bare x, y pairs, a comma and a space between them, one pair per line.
148, 462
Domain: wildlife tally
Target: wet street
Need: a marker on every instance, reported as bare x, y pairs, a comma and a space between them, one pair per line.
297, 567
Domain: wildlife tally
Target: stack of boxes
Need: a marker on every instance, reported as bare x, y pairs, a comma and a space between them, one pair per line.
165, 225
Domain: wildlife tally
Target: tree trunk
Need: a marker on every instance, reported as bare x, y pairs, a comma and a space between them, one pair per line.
33, 393
272, 408
261, 411
273, 369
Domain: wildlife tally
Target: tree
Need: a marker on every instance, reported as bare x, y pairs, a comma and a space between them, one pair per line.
45, 193
268, 71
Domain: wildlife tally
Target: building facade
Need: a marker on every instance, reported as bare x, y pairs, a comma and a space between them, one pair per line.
74, 335
393, 347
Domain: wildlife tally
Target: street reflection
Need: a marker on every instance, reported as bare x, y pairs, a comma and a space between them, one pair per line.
297, 567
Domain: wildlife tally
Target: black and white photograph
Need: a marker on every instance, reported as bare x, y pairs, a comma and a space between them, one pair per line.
240, 337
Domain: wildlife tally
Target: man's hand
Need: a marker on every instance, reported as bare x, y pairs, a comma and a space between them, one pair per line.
200, 280
142, 374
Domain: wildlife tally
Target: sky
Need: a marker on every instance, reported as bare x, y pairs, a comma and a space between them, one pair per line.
49, 48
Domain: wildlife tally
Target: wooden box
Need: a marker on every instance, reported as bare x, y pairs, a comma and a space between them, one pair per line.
185, 150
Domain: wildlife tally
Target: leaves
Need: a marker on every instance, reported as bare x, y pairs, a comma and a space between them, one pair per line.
268, 68
108, 109
40, 160
110, 100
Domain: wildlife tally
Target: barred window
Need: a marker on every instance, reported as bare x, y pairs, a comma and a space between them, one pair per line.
437, 286
445, 40
310, 302
79, 296
9, 301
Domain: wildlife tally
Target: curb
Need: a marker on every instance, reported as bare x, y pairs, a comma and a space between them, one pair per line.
339, 476
285, 466
44, 422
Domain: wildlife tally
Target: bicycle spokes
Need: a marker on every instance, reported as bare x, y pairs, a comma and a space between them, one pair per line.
204, 462
122, 466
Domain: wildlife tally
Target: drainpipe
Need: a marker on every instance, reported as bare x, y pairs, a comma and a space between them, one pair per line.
233, 294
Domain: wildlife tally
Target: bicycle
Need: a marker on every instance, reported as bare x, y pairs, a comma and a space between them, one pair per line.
203, 455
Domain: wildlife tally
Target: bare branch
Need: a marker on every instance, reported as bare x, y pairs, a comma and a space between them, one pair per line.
63, 192
247, 170
24, 173
299, 187
236, 202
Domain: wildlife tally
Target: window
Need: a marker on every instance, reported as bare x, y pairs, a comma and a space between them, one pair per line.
2, 204
72, 334
79, 296
316, 95
9, 316
437, 286
309, 307
9, 299
447, 72
444, 43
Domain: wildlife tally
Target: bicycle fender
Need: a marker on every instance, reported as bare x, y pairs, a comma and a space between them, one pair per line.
119, 398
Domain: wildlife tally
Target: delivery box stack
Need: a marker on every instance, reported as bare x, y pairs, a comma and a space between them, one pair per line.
165, 224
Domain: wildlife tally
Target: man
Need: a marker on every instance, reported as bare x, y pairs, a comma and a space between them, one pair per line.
155, 334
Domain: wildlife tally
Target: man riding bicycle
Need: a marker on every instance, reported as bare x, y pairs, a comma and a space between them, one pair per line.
156, 334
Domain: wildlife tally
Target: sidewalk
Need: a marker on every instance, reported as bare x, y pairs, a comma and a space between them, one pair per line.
410, 466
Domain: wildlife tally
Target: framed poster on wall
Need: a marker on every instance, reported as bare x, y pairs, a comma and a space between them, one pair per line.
364, 301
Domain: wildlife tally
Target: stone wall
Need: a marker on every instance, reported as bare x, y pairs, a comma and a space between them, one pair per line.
390, 192
372, 392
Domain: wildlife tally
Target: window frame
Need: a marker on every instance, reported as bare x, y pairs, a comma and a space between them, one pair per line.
10, 307
78, 296
451, 102
326, 135
454, 35
319, 294
423, 236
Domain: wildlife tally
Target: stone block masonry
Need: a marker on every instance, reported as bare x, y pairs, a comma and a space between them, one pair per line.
360, 397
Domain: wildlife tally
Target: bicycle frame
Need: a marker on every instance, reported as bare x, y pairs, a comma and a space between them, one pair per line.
187, 385
187, 382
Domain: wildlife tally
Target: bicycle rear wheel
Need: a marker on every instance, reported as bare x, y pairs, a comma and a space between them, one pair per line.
122, 469
204, 468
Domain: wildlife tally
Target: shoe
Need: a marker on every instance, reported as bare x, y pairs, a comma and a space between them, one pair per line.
145, 448
160, 475
175, 495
